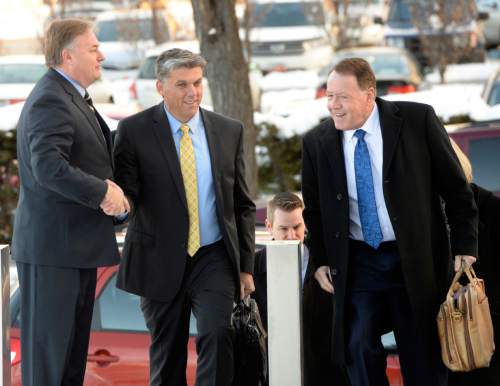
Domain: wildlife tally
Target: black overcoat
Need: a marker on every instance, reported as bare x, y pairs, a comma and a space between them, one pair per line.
420, 169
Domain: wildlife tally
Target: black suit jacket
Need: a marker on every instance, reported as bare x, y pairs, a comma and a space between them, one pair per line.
63, 162
419, 168
148, 169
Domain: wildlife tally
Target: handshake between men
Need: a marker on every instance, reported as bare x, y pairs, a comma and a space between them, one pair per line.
115, 202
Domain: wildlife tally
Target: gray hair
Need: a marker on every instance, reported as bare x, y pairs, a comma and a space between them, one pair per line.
176, 58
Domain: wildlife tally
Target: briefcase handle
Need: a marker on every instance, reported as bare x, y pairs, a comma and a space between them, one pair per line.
471, 275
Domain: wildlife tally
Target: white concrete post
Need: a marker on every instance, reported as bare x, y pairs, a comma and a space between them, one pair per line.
284, 308
5, 320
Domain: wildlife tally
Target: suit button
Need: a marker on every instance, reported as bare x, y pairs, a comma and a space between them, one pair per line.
394, 219
333, 271
387, 181
337, 235
339, 196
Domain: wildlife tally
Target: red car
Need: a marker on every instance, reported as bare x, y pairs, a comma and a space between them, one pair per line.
119, 341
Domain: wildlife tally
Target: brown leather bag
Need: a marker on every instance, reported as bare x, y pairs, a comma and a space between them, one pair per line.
464, 325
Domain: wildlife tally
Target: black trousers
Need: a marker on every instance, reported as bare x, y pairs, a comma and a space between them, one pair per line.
56, 315
208, 291
376, 303
319, 369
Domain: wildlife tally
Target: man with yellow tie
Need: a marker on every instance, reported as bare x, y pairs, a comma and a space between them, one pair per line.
190, 240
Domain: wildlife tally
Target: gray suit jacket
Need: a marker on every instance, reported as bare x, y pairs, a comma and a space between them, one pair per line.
63, 161
148, 170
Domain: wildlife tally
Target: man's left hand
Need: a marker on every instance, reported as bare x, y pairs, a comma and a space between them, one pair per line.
246, 284
467, 260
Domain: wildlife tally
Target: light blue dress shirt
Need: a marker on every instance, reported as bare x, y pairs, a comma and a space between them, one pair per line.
207, 211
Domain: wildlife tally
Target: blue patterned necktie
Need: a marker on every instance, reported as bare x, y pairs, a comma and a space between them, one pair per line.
367, 205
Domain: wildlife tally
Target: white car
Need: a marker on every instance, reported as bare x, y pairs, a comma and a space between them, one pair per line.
288, 34
19, 73
126, 35
144, 87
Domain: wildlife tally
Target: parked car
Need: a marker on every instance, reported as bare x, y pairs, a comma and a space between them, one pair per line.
363, 22
19, 73
487, 106
401, 31
480, 141
143, 89
119, 341
396, 70
126, 35
87, 9
288, 34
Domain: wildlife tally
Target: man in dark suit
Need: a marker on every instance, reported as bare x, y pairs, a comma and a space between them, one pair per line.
190, 242
374, 178
63, 225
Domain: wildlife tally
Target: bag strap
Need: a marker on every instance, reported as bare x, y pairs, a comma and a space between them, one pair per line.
468, 270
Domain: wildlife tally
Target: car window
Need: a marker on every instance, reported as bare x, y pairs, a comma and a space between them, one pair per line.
287, 14
485, 158
399, 14
21, 72
120, 311
147, 70
494, 98
383, 64
130, 30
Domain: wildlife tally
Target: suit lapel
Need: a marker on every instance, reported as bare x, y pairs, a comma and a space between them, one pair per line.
215, 149
81, 104
390, 124
163, 132
331, 143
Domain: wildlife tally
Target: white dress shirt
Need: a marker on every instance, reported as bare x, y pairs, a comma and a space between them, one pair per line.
374, 142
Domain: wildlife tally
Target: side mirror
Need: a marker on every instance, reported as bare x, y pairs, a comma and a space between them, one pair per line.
378, 20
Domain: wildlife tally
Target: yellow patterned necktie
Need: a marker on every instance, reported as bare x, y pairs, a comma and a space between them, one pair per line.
188, 169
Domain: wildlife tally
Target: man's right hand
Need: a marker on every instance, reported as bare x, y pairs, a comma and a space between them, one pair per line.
114, 202
322, 275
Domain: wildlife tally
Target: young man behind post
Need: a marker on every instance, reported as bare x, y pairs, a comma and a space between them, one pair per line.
285, 222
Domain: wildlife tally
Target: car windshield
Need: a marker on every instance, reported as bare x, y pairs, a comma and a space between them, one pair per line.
494, 98
287, 14
383, 64
130, 30
21, 72
404, 14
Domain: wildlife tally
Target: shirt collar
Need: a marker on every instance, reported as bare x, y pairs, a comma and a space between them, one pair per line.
370, 125
79, 88
175, 124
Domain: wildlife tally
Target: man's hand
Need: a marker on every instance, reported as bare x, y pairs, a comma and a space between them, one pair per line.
463, 259
322, 275
246, 284
114, 202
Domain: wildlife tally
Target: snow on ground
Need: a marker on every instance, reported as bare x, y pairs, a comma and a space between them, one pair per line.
465, 73
448, 100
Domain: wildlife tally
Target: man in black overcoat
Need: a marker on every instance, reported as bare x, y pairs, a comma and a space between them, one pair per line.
374, 178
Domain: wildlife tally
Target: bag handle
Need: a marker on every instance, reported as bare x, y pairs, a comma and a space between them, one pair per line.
468, 270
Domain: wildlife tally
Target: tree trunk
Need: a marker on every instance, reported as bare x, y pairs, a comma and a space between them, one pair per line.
227, 71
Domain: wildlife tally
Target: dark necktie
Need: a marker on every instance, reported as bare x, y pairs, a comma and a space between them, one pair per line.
88, 99
370, 225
